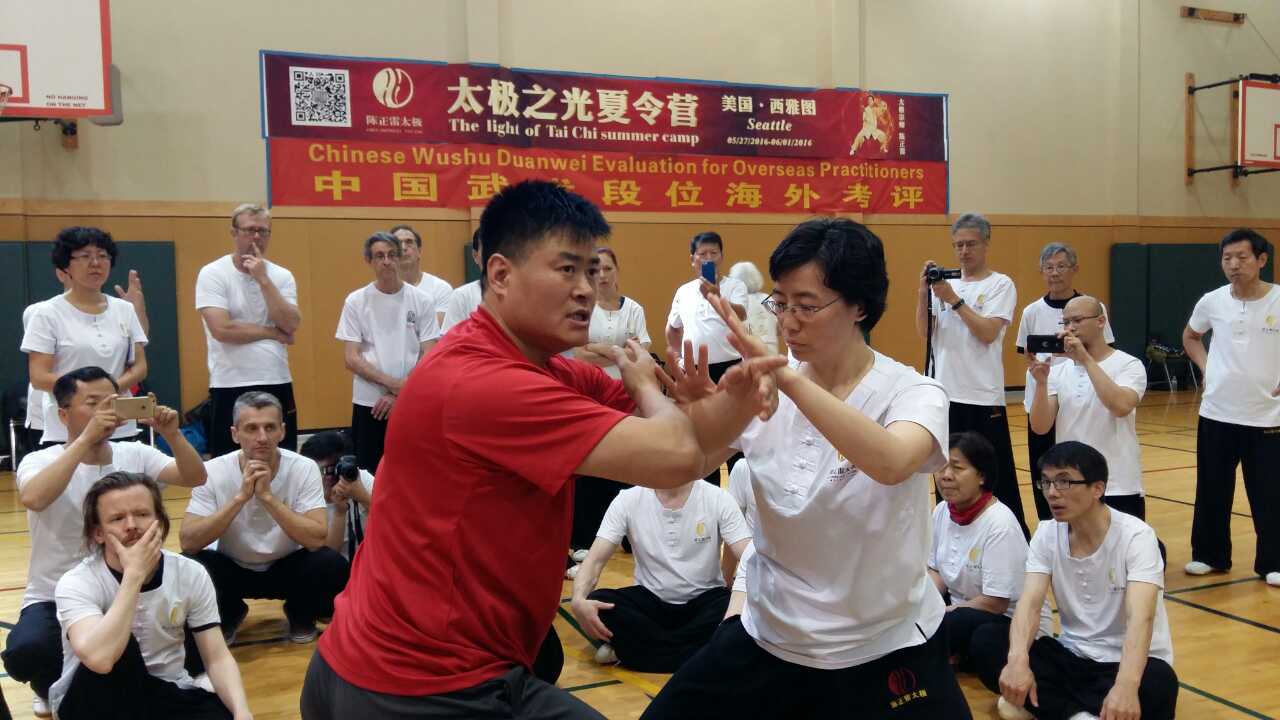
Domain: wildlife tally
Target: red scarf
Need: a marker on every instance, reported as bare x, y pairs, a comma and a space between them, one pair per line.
964, 517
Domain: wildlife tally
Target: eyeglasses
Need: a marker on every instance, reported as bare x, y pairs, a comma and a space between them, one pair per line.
1076, 320
261, 232
91, 258
1055, 269
804, 312
966, 244
328, 470
379, 257
1060, 484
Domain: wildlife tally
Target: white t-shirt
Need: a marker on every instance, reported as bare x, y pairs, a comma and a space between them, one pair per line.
1044, 317
986, 557
1243, 368
740, 490
57, 532
701, 324
1083, 417
179, 596
762, 323
78, 339
677, 551
838, 577
254, 539
390, 330
615, 327
262, 362
366, 479
462, 302
35, 398
1090, 591
970, 370
436, 289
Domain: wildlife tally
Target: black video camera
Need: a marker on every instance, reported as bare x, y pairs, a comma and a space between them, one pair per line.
346, 469
937, 274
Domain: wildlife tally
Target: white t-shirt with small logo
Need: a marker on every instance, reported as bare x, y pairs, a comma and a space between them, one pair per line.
181, 595
79, 339
839, 574
436, 289
1090, 591
1044, 317
1243, 368
973, 371
57, 532
262, 362
677, 551
1083, 417
254, 539
390, 329
701, 323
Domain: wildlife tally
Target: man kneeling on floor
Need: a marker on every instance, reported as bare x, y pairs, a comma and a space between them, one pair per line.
123, 610
680, 596
265, 507
1114, 658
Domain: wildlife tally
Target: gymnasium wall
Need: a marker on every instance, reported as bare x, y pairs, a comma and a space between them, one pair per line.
1065, 124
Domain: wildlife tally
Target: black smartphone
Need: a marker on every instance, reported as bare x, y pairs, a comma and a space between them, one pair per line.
1037, 344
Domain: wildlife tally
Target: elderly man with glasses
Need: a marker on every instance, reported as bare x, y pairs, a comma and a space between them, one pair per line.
250, 310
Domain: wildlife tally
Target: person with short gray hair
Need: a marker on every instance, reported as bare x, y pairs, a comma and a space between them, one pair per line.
963, 320
249, 306
1058, 266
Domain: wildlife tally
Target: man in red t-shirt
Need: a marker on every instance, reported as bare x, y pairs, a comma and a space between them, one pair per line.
456, 584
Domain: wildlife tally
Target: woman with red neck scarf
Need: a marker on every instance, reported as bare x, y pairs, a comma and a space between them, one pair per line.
979, 553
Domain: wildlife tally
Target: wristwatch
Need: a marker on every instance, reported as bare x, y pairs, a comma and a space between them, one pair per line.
958, 304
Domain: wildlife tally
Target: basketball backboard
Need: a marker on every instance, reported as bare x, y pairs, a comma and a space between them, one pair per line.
1259, 124
54, 57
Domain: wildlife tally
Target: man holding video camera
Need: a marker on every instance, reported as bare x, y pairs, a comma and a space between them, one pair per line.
52, 484
963, 314
1093, 399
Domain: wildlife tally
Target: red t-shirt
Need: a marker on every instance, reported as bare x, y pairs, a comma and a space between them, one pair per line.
460, 572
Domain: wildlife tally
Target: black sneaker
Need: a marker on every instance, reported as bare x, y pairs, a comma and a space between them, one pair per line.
229, 629
302, 633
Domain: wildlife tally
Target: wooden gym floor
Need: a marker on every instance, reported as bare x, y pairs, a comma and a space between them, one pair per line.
1226, 628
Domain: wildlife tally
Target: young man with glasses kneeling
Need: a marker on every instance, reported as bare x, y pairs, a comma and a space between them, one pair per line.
1114, 658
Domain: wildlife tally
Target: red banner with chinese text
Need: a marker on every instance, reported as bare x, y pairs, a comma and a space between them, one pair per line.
397, 174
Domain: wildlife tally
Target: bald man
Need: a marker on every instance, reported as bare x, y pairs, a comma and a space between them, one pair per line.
1094, 399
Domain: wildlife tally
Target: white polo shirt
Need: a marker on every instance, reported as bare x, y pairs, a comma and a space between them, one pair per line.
677, 552
615, 327
839, 573
35, 398
262, 362
1083, 417
701, 324
254, 539
390, 329
970, 370
1044, 317
178, 596
986, 557
1243, 368
1090, 591
462, 302
740, 490
78, 339
366, 479
436, 289
57, 532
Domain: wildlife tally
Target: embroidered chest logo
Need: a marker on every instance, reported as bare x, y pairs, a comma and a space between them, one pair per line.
173, 617
1269, 325
975, 554
700, 532
411, 317
843, 471
980, 301
902, 688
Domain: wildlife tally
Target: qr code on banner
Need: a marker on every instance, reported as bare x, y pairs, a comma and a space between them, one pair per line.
320, 97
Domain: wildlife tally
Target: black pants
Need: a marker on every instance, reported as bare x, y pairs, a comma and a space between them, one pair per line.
991, 422
129, 692
550, 661
1219, 448
1037, 445
733, 677
1067, 683
515, 694
33, 652
717, 371
591, 499
223, 402
961, 624
368, 435
651, 635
